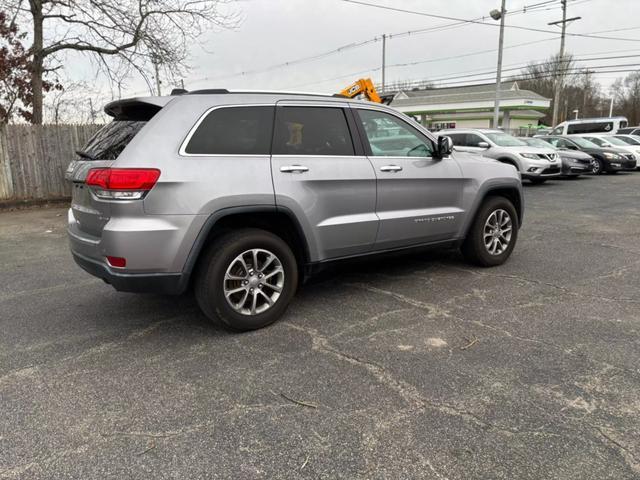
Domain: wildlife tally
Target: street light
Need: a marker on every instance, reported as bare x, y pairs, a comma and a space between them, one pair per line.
498, 15
576, 113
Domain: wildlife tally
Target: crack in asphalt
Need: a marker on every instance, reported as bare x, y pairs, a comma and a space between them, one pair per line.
625, 452
409, 394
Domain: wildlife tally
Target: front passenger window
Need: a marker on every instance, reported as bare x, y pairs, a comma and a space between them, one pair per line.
391, 137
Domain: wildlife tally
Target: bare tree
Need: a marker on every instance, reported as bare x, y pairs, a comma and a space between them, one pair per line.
121, 35
626, 96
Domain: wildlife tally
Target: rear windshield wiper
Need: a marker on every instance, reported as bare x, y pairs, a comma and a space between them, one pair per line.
84, 154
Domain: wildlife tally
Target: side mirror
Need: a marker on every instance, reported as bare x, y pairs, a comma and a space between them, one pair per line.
483, 145
571, 147
445, 146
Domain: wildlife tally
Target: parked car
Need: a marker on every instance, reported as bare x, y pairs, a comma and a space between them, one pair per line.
631, 153
629, 130
608, 160
534, 163
591, 125
574, 163
240, 195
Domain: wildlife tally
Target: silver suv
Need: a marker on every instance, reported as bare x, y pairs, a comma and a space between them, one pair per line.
242, 195
534, 163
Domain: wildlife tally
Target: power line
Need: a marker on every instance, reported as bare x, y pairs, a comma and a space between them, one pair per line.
343, 48
526, 76
480, 22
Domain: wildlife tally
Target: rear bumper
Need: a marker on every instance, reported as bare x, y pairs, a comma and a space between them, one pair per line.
162, 283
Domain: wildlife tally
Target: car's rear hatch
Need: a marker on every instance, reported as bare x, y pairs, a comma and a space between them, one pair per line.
102, 150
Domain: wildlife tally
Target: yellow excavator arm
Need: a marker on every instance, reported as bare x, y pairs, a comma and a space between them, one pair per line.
363, 86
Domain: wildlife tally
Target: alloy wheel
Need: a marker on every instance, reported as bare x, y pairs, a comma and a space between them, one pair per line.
254, 281
497, 232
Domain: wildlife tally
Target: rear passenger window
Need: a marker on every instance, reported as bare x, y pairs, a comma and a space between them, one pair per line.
312, 131
233, 131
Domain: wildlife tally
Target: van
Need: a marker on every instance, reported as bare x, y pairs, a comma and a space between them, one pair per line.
591, 125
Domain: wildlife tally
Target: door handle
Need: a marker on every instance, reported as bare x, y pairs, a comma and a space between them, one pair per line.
294, 169
391, 168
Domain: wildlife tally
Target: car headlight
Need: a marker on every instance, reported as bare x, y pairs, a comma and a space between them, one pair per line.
530, 156
612, 156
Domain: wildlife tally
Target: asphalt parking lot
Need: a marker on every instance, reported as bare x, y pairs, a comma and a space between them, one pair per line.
409, 367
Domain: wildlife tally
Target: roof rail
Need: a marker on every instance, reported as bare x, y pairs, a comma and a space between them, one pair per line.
217, 91
209, 91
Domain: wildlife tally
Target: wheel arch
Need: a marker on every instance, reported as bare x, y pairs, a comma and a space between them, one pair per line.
509, 161
279, 221
510, 192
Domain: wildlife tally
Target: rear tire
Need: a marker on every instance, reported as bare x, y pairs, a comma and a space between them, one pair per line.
246, 279
493, 234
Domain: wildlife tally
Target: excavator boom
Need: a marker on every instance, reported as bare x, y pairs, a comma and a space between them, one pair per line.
363, 86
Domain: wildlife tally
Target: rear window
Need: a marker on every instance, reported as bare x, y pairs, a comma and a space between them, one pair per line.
233, 131
312, 131
111, 140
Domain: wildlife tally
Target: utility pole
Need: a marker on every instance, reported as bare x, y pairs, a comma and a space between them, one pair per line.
495, 14
384, 51
560, 63
611, 108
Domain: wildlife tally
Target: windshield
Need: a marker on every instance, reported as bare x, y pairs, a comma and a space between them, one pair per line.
583, 142
504, 140
629, 140
601, 142
616, 141
536, 142
110, 140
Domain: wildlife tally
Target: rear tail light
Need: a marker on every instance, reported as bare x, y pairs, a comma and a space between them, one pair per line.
117, 261
122, 183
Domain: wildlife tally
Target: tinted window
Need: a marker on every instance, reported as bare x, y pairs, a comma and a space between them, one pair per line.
312, 131
557, 130
592, 127
473, 140
235, 131
391, 137
458, 139
110, 140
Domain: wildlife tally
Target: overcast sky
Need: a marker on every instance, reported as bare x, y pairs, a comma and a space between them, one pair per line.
278, 31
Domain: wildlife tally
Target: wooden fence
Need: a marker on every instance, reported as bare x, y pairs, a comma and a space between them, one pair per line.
33, 159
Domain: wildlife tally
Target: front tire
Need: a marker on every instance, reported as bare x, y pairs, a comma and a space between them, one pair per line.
538, 181
597, 167
246, 279
493, 234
